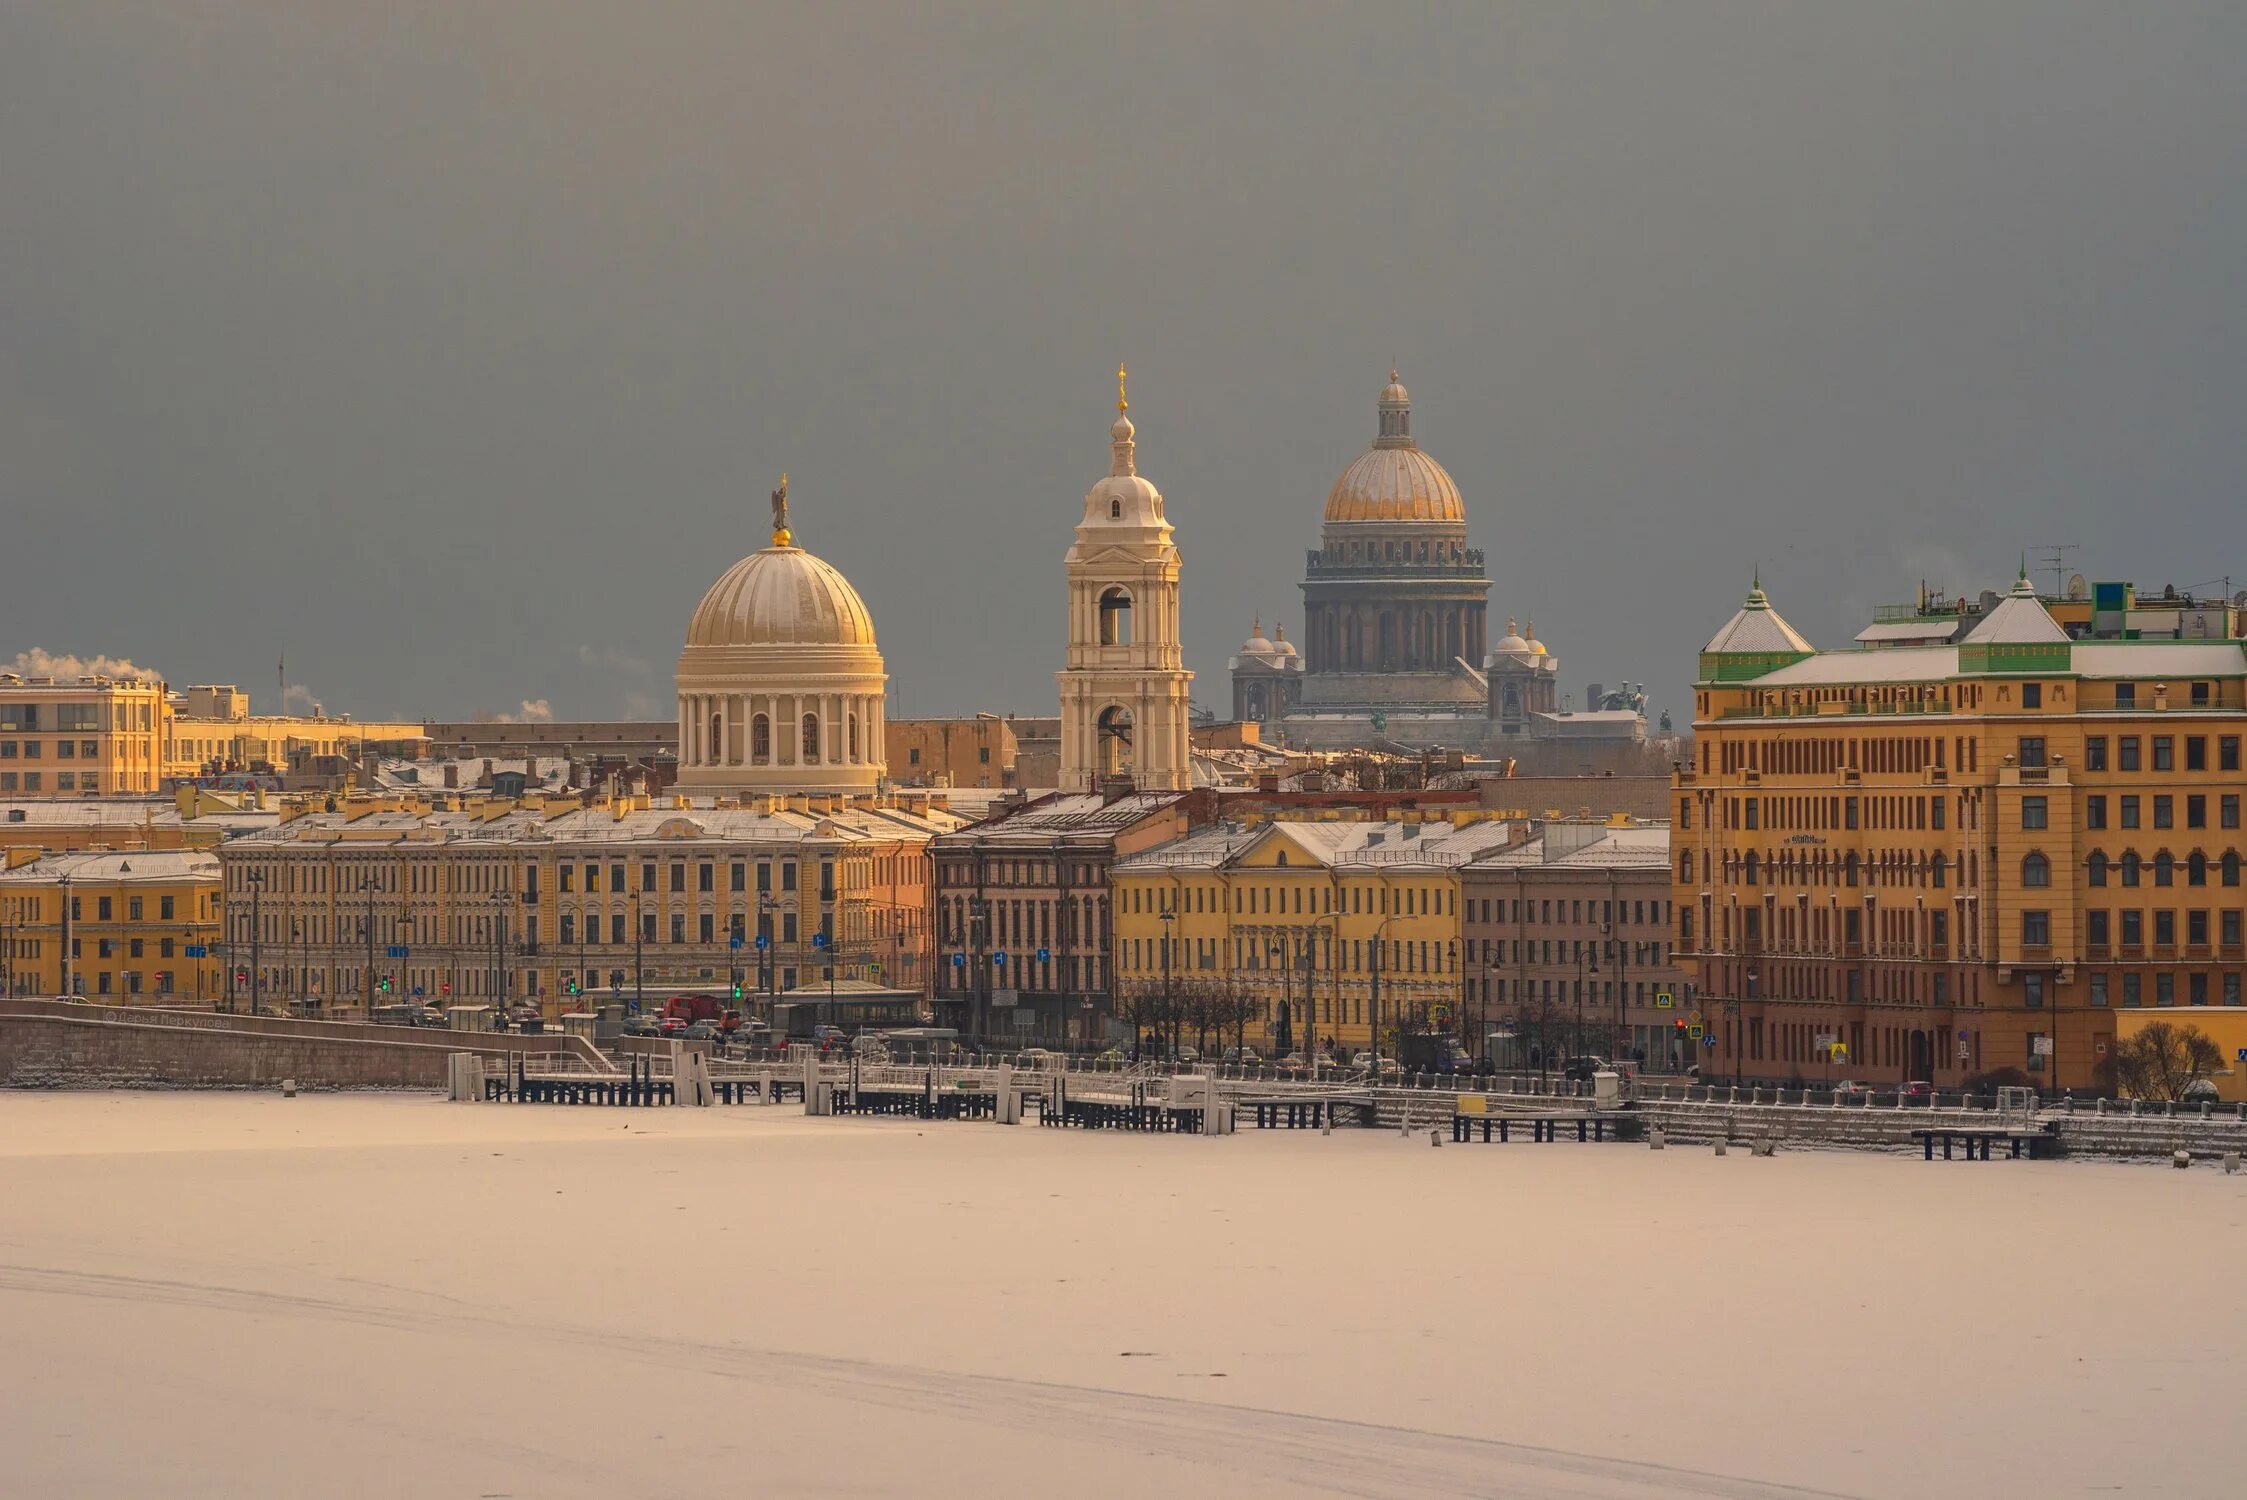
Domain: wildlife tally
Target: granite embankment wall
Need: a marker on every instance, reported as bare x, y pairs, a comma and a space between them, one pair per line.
47, 1044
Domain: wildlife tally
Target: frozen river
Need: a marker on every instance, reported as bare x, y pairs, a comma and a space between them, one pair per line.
218, 1294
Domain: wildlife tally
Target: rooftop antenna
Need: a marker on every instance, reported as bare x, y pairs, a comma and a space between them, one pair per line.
2054, 555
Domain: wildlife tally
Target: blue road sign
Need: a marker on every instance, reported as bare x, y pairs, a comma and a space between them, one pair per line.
1045, 955
734, 941
762, 940
419, 992
1709, 1041
959, 960
396, 951
999, 958
819, 940
2242, 1055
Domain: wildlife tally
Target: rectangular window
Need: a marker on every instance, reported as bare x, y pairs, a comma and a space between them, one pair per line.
2095, 811
2196, 751
2231, 986
66, 749
1935, 807
678, 877
2165, 929
2032, 750
709, 928
2230, 929
2032, 696
788, 875
706, 876
2196, 812
2227, 810
738, 877
2032, 991
2164, 752
2133, 929
2164, 810
2127, 752
647, 875
1754, 804
164, 908
2133, 989
2095, 753
2130, 810
2099, 989
2126, 696
2165, 989
2033, 812
2095, 928
566, 877
2227, 753
2196, 928
2036, 929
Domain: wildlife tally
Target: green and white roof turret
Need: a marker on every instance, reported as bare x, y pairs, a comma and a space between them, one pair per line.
1757, 639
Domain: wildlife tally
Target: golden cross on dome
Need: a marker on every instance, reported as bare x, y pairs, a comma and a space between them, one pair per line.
1123, 403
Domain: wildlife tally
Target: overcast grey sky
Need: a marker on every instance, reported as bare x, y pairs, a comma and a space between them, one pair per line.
455, 347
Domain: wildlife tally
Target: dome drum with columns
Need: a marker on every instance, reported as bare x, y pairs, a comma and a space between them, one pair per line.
781, 684
1394, 591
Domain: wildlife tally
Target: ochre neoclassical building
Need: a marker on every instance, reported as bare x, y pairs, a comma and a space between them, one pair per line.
1932, 860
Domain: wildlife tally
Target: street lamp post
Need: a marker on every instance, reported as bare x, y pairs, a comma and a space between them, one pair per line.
499, 954
68, 966
639, 994
1373, 1003
1581, 973
257, 936
367, 980
1169, 916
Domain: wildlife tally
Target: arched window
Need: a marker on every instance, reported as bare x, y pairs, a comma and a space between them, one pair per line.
1938, 871
2231, 867
2036, 871
2196, 868
2164, 869
811, 739
1115, 510
1849, 868
760, 739
1685, 868
1751, 867
1115, 617
2095, 869
2130, 867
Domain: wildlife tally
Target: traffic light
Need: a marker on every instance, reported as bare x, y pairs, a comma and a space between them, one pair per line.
386, 984
737, 989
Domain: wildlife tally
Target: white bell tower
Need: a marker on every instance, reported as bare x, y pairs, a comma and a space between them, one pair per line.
1125, 692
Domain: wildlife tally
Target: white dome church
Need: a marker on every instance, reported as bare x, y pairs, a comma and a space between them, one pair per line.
781, 682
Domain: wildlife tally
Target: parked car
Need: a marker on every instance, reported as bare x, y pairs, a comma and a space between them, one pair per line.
1852, 1090
1242, 1055
2200, 1091
671, 1026
1581, 1069
1920, 1092
642, 1026
701, 1031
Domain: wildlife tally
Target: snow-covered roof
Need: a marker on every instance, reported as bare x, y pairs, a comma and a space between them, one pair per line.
2019, 619
1851, 668
1757, 627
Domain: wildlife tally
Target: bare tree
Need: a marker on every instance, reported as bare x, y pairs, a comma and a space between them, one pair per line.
2160, 1061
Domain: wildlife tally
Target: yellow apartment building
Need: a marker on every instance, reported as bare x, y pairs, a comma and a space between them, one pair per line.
81, 737
137, 927
1336, 927
1929, 860
214, 730
558, 902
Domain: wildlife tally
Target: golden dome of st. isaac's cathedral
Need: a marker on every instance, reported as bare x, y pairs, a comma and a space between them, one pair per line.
1394, 480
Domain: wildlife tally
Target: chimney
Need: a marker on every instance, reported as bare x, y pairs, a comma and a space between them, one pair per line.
452, 775
1114, 790
1267, 781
